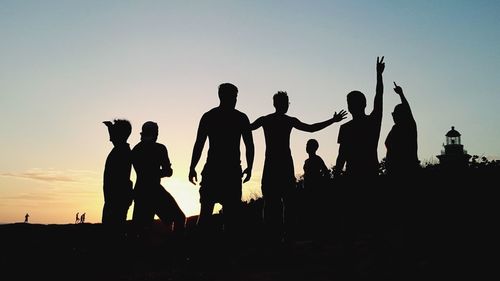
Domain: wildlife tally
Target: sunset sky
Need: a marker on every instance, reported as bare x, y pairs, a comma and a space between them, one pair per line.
66, 66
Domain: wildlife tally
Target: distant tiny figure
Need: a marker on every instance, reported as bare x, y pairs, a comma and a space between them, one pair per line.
224, 127
82, 218
117, 185
77, 218
358, 138
151, 163
278, 177
401, 142
26, 218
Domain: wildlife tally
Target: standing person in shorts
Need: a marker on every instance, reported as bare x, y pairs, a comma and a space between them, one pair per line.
221, 182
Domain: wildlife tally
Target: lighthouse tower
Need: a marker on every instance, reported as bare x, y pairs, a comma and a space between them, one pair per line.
453, 155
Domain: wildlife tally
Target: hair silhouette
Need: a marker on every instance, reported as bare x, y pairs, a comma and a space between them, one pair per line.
278, 179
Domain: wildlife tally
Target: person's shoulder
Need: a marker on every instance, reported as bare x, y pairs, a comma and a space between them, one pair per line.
210, 112
137, 146
266, 117
276, 116
240, 115
347, 124
291, 118
161, 146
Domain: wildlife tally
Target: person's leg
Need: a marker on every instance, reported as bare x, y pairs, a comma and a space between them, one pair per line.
232, 214
105, 214
231, 201
143, 216
203, 241
273, 214
122, 212
169, 211
205, 217
289, 213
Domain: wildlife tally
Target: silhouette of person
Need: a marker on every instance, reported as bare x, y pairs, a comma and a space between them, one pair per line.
315, 169
151, 163
401, 142
77, 218
358, 138
315, 180
221, 182
117, 185
82, 218
278, 178
26, 218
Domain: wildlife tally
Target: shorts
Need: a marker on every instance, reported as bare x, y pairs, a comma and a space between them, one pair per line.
220, 185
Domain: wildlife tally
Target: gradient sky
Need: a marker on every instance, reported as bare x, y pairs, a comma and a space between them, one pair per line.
66, 66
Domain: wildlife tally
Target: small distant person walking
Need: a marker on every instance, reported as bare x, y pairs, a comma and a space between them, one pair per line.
117, 185
26, 217
278, 177
401, 142
82, 218
77, 218
151, 163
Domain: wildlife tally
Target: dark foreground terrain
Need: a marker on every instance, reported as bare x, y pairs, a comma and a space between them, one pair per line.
435, 228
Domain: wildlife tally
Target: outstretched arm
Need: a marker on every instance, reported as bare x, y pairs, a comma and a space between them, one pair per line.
201, 137
337, 117
250, 152
256, 124
378, 102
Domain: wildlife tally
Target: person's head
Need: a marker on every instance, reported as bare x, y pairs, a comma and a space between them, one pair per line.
281, 102
312, 146
119, 130
149, 131
399, 115
356, 103
227, 95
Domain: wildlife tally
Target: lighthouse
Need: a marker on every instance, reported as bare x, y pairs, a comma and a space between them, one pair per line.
453, 155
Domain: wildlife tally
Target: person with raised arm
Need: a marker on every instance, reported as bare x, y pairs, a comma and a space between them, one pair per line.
358, 138
401, 142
